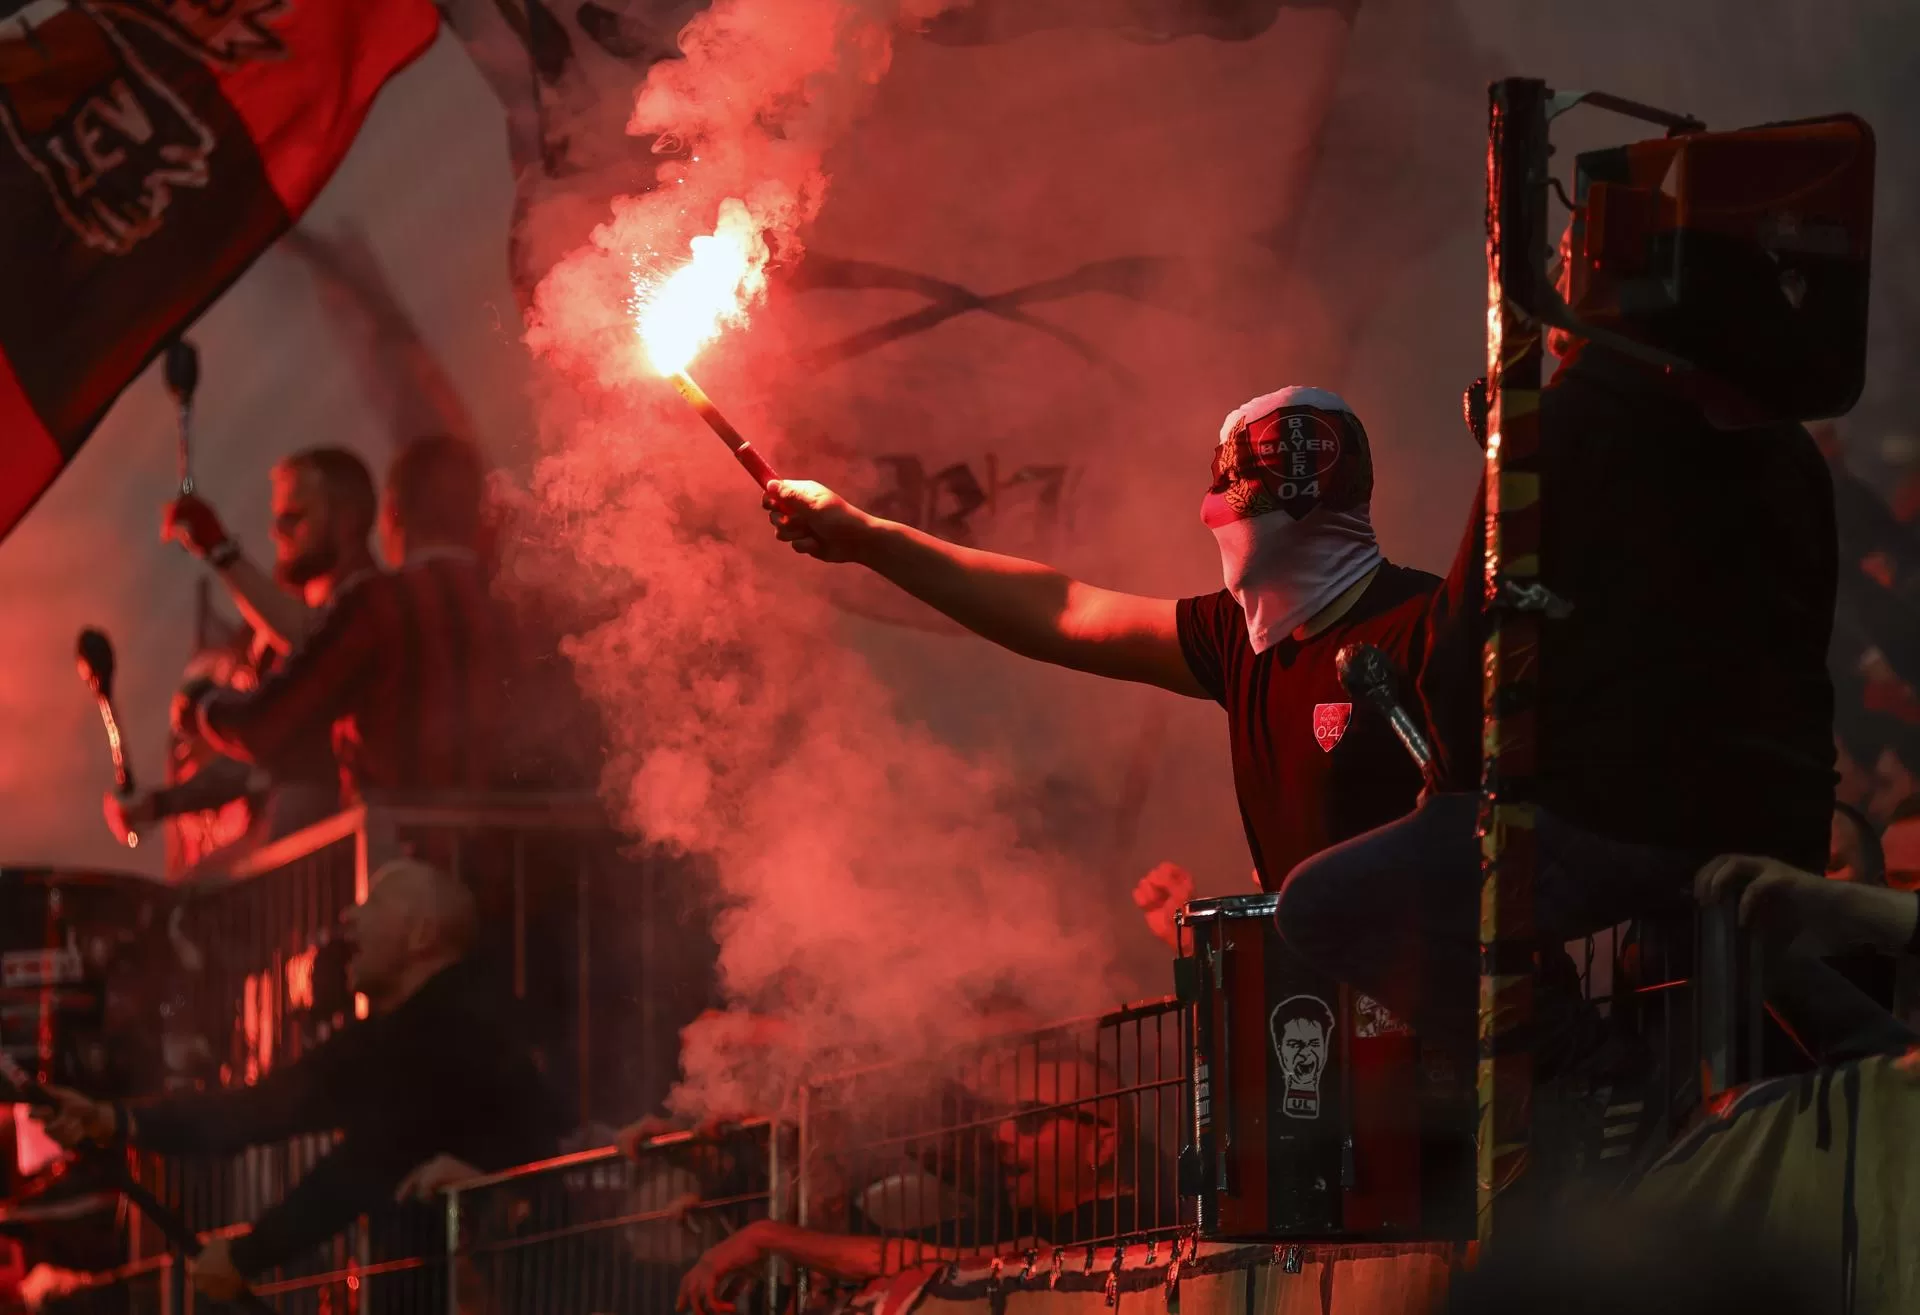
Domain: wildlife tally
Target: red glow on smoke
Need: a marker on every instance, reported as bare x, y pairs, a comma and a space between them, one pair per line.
681, 313
872, 891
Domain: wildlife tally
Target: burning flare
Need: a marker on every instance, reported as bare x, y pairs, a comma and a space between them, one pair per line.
686, 310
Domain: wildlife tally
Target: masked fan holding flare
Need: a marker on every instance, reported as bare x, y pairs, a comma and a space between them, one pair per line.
1288, 503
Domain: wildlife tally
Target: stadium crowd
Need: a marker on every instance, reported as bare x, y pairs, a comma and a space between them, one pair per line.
1732, 719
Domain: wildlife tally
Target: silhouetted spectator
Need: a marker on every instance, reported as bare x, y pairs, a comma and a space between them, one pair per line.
323, 504
408, 667
435, 1086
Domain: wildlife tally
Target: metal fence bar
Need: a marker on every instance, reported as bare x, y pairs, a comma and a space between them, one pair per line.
1055, 1137
592, 1231
259, 927
1683, 991
583, 965
452, 1247
1058, 1136
945, 1156
1516, 259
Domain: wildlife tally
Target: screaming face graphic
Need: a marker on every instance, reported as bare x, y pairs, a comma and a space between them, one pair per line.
1302, 1028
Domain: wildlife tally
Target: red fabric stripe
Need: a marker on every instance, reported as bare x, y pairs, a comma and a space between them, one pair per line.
267, 97
29, 458
303, 125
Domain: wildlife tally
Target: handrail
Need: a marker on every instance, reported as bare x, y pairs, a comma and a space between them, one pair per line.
372, 1269
461, 1199
593, 1155
308, 840
555, 809
661, 1215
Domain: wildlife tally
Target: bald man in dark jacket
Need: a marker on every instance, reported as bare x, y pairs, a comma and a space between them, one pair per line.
435, 1085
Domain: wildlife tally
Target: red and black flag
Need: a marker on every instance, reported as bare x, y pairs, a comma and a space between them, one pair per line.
149, 151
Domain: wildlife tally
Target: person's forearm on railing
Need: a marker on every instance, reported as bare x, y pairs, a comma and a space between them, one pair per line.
837, 1255
1807, 907
840, 1255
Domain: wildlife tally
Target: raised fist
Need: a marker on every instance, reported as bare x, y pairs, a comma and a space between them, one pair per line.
1160, 895
193, 525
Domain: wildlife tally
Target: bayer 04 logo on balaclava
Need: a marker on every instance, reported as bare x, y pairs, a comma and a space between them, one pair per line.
1288, 505
1294, 458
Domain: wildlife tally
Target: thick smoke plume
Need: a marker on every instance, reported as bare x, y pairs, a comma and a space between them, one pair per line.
764, 91
874, 891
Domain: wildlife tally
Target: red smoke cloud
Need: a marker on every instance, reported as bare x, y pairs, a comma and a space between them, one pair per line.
1067, 249
873, 892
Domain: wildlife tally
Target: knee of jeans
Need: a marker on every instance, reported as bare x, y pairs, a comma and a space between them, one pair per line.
1310, 907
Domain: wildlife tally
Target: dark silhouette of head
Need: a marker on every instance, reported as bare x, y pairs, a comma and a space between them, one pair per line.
436, 491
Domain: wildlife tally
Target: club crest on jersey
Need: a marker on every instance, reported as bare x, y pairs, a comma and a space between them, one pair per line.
1330, 723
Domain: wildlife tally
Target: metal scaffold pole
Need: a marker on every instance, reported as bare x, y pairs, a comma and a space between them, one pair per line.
1516, 269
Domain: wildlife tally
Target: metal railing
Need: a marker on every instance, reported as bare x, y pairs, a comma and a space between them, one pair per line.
339, 1280
567, 917
1064, 1137
264, 993
1676, 1001
597, 1232
1053, 1143
141, 1287
1056, 1139
581, 1234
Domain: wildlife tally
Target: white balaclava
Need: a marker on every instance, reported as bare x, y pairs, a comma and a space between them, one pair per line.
1292, 479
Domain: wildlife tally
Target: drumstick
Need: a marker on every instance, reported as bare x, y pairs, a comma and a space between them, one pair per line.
93, 653
182, 373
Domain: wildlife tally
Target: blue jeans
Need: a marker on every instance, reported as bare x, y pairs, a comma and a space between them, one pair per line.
1395, 913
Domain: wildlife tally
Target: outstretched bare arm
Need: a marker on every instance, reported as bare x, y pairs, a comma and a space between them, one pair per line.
1023, 606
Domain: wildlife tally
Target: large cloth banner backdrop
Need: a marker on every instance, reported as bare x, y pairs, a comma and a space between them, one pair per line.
149, 151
